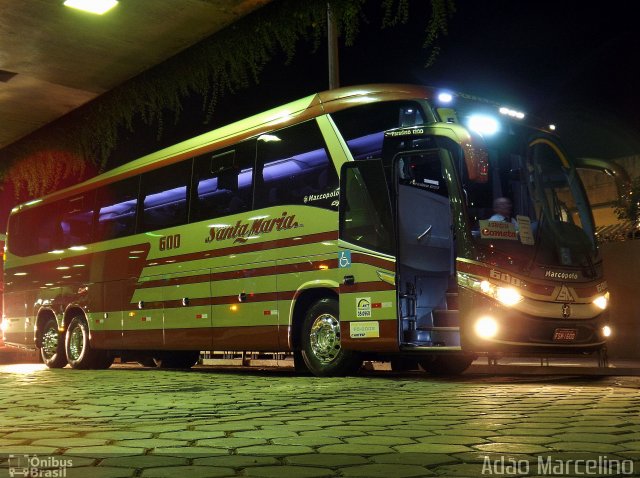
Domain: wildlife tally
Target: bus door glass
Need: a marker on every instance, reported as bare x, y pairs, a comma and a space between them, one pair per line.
366, 228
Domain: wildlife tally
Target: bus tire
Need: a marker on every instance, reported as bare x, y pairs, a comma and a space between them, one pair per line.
178, 359
52, 351
320, 342
450, 364
80, 354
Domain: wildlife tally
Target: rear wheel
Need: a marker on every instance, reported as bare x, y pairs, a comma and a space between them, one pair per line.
52, 350
320, 341
451, 364
80, 354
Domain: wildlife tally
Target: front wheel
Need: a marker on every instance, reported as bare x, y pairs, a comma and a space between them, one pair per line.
80, 354
320, 342
52, 350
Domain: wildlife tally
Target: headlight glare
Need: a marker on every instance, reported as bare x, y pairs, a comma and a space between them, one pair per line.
602, 301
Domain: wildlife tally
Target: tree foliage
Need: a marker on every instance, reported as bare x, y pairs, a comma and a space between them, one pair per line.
228, 61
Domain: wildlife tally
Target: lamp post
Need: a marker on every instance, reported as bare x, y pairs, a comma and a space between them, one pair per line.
332, 44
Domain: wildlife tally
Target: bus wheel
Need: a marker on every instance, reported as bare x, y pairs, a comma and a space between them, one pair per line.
80, 354
178, 359
320, 342
453, 364
52, 351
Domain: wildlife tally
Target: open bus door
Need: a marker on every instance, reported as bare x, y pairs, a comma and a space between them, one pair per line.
421, 239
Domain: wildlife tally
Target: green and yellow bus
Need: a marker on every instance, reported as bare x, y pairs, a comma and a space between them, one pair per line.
352, 224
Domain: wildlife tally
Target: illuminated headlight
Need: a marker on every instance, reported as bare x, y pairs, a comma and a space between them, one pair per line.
506, 295
486, 327
4, 326
606, 331
484, 125
602, 301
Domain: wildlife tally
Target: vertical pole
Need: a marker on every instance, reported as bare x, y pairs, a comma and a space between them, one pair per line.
332, 44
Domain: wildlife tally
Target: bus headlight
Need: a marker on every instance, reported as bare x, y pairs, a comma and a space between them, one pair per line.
602, 301
508, 296
486, 327
4, 326
606, 331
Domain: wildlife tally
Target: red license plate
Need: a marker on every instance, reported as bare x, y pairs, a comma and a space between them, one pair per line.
565, 335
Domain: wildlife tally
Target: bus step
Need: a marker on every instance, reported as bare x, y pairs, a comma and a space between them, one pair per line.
446, 318
452, 300
437, 329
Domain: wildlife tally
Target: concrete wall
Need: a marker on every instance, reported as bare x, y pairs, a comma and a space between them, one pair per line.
622, 272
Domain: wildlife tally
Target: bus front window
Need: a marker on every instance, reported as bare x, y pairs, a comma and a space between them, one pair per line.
532, 213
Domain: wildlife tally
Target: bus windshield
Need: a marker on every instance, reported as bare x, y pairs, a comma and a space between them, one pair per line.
532, 213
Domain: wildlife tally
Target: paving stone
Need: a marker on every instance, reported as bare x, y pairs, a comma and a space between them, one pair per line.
40, 434
536, 440
70, 442
190, 435
236, 461
355, 449
307, 441
326, 459
379, 440
143, 461
588, 437
231, 442
151, 443
274, 450
431, 448
285, 471
119, 435
452, 439
99, 472
188, 472
385, 471
103, 451
266, 434
189, 451
422, 459
526, 448
586, 446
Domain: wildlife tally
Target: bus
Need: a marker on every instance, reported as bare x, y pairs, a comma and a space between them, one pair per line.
2, 239
354, 224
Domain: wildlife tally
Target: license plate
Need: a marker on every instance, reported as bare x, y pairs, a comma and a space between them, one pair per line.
565, 335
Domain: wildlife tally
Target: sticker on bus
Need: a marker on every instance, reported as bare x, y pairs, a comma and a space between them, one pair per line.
363, 307
364, 330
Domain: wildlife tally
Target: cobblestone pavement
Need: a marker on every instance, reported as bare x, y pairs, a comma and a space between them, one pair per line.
128, 421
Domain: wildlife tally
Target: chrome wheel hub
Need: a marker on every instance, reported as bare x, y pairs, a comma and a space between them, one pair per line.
76, 344
50, 342
325, 338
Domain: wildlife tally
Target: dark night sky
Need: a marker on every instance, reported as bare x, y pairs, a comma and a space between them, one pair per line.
570, 62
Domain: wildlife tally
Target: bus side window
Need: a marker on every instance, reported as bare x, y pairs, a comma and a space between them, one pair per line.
222, 182
164, 196
116, 206
77, 219
293, 167
363, 127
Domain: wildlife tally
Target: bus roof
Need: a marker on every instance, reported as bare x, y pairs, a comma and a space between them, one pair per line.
276, 118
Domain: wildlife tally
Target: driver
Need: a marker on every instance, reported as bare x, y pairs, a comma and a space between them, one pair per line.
503, 210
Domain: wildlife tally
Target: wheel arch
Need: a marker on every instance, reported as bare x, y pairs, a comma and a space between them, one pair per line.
303, 300
72, 311
43, 316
